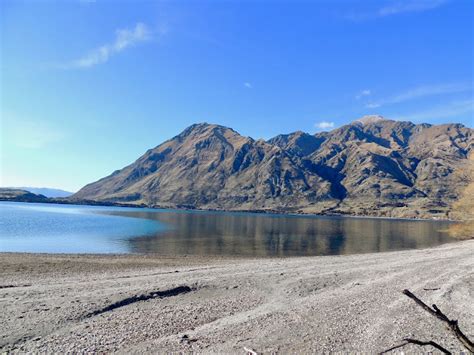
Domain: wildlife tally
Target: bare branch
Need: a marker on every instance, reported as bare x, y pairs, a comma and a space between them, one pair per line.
393, 348
427, 343
250, 351
420, 343
450, 323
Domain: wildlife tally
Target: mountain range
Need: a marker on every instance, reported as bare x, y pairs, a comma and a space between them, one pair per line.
373, 166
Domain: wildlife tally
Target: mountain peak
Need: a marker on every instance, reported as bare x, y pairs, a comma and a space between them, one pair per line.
199, 126
367, 119
204, 128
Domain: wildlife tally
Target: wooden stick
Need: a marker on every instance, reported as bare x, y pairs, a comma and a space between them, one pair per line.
420, 343
250, 351
426, 343
452, 324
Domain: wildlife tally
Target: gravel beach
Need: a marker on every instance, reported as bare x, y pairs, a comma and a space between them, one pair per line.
145, 304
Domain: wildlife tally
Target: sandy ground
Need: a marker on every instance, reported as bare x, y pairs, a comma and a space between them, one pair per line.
84, 303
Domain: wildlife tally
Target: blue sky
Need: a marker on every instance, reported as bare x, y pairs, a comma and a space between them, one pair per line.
88, 86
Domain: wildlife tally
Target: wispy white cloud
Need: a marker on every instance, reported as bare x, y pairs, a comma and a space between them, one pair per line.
372, 105
397, 8
421, 91
409, 6
248, 85
452, 109
363, 93
324, 125
124, 38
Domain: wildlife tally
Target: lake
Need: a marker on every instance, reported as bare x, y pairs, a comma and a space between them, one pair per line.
52, 228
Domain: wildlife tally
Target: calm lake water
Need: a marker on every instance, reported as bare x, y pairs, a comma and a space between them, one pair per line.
35, 227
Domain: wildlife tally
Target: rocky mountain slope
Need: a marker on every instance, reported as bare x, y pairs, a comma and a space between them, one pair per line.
372, 166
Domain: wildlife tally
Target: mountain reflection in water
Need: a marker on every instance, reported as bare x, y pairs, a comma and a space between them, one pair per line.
262, 235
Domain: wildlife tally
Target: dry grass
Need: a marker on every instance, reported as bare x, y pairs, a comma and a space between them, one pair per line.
463, 209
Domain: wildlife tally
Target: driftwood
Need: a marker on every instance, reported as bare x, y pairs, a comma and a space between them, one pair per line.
451, 324
250, 351
418, 342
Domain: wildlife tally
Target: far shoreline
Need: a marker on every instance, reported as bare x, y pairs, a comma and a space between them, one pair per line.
257, 212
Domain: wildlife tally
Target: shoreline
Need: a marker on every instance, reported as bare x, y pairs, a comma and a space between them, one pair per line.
220, 257
257, 212
141, 304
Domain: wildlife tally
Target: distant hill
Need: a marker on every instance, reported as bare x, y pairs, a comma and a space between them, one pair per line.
373, 166
18, 195
53, 193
